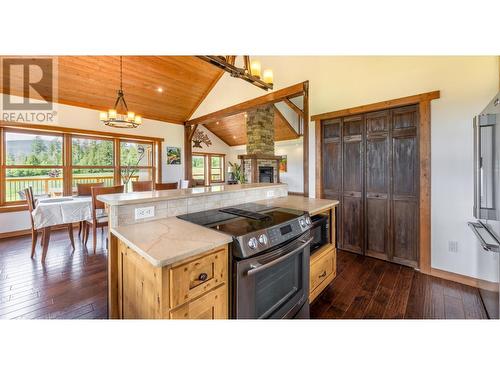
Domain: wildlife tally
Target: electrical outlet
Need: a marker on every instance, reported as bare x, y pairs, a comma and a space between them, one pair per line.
453, 246
270, 194
144, 212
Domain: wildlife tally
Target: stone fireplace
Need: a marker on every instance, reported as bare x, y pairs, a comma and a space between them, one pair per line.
260, 164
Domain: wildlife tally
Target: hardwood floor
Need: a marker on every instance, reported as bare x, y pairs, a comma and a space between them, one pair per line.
373, 289
71, 284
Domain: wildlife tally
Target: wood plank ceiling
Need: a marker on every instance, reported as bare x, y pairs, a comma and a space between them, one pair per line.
233, 131
93, 81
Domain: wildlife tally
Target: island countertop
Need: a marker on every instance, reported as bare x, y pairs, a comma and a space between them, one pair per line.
165, 195
166, 241
310, 205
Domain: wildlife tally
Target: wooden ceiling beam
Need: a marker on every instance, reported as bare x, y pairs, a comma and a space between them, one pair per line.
271, 98
296, 109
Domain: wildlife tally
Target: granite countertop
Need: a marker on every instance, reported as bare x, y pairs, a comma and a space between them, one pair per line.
166, 241
311, 205
164, 195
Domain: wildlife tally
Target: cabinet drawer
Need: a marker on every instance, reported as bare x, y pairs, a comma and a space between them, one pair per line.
321, 269
192, 279
212, 305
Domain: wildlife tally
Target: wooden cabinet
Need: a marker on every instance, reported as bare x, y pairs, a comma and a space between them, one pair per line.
323, 268
370, 164
195, 288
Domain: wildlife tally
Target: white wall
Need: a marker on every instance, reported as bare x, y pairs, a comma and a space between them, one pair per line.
466, 84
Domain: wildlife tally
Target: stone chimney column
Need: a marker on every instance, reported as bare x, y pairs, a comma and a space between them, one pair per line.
260, 130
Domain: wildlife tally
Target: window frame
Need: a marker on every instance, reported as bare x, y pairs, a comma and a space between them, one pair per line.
208, 167
67, 166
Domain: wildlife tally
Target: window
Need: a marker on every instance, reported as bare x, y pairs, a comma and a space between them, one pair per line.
216, 168
136, 159
208, 167
54, 161
32, 159
91, 159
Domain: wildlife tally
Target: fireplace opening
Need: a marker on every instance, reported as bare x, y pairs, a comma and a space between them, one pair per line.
266, 174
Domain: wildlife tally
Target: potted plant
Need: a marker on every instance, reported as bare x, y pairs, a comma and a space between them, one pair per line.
238, 173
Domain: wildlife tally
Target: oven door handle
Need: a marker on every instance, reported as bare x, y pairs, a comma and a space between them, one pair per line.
257, 267
486, 246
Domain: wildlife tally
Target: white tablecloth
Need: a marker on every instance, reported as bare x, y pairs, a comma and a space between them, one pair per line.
63, 210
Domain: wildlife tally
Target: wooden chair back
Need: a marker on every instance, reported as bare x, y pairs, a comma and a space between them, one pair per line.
166, 186
142, 185
85, 190
30, 200
98, 205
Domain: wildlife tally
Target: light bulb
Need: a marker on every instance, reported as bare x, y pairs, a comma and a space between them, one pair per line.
130, 116
138, 120
112, 113
268, 76
103, 116
255, 68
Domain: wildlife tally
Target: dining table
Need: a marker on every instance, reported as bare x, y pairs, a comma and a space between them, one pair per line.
61, 210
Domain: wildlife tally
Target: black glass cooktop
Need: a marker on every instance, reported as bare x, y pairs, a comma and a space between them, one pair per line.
242, 219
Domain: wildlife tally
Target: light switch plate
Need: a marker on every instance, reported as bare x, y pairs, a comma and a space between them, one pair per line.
144, 212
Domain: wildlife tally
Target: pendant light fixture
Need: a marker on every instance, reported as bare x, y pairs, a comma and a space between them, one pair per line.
113, 118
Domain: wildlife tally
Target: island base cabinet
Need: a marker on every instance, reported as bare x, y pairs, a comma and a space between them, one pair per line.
212, 305
149, 292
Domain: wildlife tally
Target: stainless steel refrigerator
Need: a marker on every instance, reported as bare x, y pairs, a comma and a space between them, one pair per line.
487, 203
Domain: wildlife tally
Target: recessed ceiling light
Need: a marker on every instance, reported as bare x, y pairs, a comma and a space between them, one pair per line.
159, 89
234, 137
217, 123
246, 115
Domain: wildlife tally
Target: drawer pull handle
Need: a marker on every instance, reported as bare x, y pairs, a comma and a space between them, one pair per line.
203, 276
322, 275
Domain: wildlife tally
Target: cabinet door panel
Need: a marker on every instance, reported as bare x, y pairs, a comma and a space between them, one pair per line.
405, 166
352, 220
405, 214
377, 225
405, 117
352, 166
332, 167
377, 171
377, 122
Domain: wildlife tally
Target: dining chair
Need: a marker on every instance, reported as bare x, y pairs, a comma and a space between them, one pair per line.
30, 200
99, 217
142, 185
85, 190
184, 184
166, 186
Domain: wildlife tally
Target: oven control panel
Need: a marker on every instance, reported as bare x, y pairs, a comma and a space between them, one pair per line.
256, 242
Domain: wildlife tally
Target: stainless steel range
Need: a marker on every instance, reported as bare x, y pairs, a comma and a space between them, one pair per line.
269, 259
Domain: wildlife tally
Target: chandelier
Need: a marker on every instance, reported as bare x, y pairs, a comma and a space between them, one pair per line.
113, 118
250, 72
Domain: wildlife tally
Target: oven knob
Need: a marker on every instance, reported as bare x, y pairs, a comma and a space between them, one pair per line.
252, 243
302, 223
263, 239
308, 220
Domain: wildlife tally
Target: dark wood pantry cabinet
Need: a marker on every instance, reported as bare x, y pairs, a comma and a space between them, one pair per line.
370, 164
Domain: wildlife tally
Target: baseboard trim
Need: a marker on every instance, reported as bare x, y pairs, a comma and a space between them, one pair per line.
25, 232
16, 233
462, 279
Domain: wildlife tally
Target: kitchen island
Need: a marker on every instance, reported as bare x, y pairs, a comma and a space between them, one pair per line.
164, 267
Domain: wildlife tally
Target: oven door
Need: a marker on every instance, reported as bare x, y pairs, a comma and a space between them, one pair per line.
274, 285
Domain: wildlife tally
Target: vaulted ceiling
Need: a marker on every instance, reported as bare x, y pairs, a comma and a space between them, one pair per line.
93, 81
233, 130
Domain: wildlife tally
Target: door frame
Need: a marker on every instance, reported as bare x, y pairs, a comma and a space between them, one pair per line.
424, 141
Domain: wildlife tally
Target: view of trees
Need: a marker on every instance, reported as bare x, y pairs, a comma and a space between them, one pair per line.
42, 153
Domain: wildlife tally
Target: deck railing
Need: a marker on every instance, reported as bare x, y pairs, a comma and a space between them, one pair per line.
50, 185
